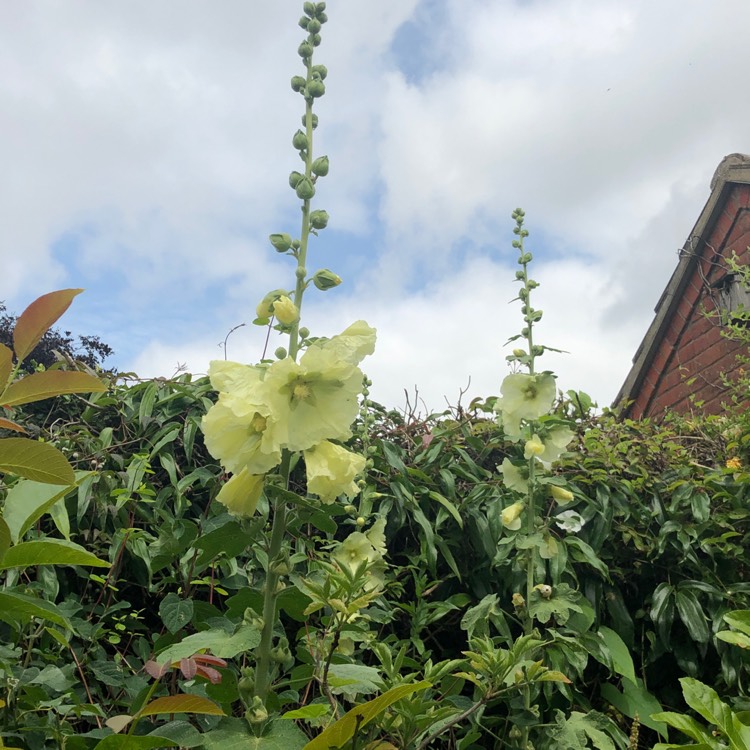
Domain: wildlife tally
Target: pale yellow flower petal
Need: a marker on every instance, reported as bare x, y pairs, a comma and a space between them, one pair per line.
332, 470
511, 516
241, 493
285, 310
533, 448
513, 479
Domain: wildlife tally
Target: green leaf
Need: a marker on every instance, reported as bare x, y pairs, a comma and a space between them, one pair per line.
687, 725
181, 733
27, 501
449, 506
691, 614
20, 607
36, 319
175, 612
313, 711
622, 662
49, 552
32, 459
129, 742
4, 537
341, 731
662, 611
736, 639
181, 704
740, 620
583, 552
635, 699
234, 734
353, 679
42, 385
6, 365
219, 642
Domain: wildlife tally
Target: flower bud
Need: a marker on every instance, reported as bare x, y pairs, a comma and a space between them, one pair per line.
257, 712
281, 242
300, 272
526, 258
562, 495
320, 166
316, 88
319, 71
322, 17
285, 310
520, 275
350, 509
319, 219
305, 189
325, 279
511, 516
304, 21
305, 49
309, 8
298, 83
294, 179
545, 590
265, 310
320, 7
314, 121
533, 448
304, 333
299, 141
316, 39
519, 352
313, 26
280, 353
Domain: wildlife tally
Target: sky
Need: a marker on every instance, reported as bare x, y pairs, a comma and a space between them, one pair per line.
146, 148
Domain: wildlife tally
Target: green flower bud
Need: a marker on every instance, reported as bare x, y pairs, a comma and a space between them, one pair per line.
309, 8
300, 272
304, 333
304, 21
319, 71
325, 279
319, 219
314, 121
520, 275
305, 49
519, 352
280, 353
316, 39
299, 140
532, 284
281, 242
257, 712
305, 189
294, 179
320, 166
322, 17
313, 26
526, 258
350, 509
298, 83
361, 521
320, 7
316, 88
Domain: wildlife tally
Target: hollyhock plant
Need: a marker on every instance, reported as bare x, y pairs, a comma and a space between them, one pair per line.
331, 471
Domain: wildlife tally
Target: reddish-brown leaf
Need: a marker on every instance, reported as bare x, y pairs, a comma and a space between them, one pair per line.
36, 319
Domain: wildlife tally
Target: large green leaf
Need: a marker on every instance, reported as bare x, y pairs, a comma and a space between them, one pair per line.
635, 700
342, 731
34, 460
219, 642
36, 319
4, 537
706, 702
49, 552
622, 662
234, 734
687, 725
175, 612
50, 383
691, 614
27, 501
128, 742
22, 608
181, 704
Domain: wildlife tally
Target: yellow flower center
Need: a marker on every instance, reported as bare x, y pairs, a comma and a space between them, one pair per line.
258, 423
301, 391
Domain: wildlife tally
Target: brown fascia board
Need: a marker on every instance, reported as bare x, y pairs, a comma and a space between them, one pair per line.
733, 169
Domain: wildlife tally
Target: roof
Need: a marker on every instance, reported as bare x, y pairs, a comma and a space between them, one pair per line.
733, 169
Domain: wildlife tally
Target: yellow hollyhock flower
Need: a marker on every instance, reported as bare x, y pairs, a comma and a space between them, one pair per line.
356, 550
241, 493
511, 516
534, 448
555, 442
331, 471
285, 310
315, 399
239, 427
524, 397
560, 494
513, 479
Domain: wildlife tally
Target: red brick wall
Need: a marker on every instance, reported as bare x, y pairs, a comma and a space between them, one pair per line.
692, 353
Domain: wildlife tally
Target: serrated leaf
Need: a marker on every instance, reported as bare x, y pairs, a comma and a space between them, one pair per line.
41, 385
175, 612
181, 704
340, 732
31, 459
49, 552
20, 607
37, 318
